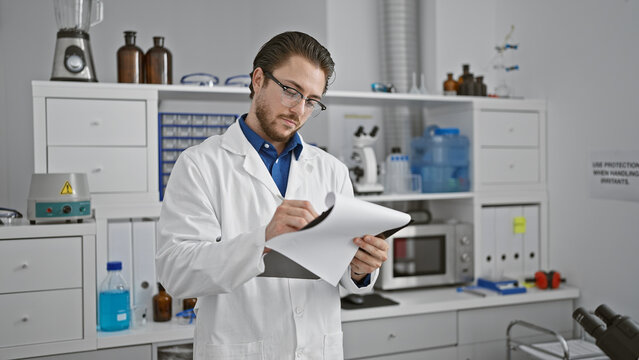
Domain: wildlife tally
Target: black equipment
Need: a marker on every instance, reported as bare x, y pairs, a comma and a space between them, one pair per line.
616, 335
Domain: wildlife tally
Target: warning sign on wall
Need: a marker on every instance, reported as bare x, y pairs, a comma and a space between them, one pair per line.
614, 175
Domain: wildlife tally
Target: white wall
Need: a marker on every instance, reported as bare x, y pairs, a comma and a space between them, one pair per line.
581, 56
218, 37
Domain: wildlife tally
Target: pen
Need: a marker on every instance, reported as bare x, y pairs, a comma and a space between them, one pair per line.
474, 292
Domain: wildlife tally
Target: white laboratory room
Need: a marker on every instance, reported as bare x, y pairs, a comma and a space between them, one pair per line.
296, 179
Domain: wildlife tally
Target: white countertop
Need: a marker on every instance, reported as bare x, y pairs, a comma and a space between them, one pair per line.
23, 229
421, 301
152, 332
411, 302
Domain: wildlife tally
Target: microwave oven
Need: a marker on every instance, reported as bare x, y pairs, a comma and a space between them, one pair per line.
428, 255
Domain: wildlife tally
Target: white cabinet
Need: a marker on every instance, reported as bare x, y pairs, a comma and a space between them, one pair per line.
47, 298
79, 121
399, 334
54, 265
40, 317
110, 170
107, 132
512, 147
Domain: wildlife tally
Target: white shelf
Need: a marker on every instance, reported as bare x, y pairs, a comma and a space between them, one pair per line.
233, 93
152, 332
416, 197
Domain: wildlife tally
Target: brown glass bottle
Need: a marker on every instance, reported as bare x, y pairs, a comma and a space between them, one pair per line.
480, 87
162, 309
460, 81
188, 303
158, 63
466, 71
450, 85
130, 61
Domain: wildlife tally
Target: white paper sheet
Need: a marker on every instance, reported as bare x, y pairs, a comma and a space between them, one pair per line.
327, 248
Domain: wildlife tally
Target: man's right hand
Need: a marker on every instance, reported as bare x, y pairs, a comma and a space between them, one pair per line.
290, 216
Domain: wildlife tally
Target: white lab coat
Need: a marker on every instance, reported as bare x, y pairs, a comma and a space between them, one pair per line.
219, 199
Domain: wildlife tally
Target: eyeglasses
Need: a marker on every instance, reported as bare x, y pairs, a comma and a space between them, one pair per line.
291, 97
204, 79
200, 79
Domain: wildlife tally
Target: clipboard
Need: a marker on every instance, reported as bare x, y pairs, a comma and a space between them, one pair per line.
280, 266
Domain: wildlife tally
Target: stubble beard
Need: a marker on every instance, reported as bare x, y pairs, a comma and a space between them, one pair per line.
268, 122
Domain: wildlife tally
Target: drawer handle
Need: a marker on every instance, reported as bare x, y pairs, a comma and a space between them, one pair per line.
511, 130
25, 318
511, 166
24, 265
391, 336
96, 123
97, 170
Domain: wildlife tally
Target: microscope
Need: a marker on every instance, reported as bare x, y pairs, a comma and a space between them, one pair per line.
365, 170
616, 335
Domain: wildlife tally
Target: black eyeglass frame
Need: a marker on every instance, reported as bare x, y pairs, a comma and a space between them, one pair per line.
302, 97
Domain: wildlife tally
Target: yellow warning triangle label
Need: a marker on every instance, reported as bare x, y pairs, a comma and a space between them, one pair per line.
66, 189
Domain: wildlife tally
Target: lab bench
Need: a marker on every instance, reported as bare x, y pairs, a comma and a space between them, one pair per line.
439, 322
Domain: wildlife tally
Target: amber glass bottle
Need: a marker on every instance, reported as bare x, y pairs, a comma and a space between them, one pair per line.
188, 303
158, 63
466, 71
130, 61
450, 85
480, 87
162, 308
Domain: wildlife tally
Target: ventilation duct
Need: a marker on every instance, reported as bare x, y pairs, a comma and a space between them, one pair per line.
400, 47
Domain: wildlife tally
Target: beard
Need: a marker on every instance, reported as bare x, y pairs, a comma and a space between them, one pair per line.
271, 124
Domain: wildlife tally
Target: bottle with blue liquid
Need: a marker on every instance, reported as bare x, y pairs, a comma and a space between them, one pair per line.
113, 303
442, 159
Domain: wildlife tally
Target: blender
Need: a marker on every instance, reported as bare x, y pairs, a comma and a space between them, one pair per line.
72, 60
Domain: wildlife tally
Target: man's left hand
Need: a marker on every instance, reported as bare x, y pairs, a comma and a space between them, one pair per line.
372, 252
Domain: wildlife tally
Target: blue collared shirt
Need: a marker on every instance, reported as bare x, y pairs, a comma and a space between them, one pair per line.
278, 166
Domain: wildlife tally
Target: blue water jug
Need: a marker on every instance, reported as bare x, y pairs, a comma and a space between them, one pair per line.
441, 157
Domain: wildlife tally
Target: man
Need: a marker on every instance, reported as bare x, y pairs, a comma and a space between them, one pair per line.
230, 195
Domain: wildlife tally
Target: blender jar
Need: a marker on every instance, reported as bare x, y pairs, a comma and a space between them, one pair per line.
77, 14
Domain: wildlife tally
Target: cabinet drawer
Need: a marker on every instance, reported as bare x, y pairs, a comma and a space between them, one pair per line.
499, 128
40, 316
509, 166
40, 264
108, 169
397, 334
96, 122
488, 324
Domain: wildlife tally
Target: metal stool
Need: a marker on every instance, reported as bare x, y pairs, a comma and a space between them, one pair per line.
560, 349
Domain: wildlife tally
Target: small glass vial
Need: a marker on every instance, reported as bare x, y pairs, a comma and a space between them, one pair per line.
450, 85
162, 305
114, 300
188, 303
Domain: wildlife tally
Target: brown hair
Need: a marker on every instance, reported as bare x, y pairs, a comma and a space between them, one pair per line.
281, 47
